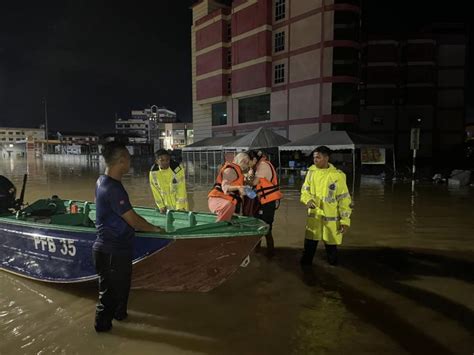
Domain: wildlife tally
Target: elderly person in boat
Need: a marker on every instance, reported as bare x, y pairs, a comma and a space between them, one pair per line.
229, 187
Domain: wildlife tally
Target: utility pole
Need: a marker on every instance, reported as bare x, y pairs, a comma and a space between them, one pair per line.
414, 145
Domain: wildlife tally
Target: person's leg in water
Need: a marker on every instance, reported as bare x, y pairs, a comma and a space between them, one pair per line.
309, 251
331, 252
107, 302
122, 276
267, 214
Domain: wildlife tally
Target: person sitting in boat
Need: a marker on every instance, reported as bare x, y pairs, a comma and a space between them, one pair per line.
116, 223
229, 188
167, 183
264, 178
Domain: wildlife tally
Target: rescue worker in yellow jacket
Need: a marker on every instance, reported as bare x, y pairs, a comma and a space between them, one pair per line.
325, 194
167, 182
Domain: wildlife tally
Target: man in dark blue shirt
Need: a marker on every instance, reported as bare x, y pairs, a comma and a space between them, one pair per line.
116, 222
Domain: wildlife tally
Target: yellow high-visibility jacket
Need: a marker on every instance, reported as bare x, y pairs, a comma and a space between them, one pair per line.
169, 188
328, 189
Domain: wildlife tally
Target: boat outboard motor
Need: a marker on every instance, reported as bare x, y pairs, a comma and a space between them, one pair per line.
7, 195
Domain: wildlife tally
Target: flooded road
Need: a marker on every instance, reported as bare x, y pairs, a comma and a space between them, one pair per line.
404, 286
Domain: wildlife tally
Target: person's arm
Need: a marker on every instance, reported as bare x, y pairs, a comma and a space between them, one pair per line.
138, 223
306, 197
230, 175
159, 201
121, 206
344, 201
258, 173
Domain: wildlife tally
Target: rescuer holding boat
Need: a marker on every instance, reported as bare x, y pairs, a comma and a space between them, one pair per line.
116, 222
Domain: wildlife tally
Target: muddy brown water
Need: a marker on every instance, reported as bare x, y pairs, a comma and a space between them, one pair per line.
405, 283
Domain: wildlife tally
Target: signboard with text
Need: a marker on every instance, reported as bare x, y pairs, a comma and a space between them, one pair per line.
373, 156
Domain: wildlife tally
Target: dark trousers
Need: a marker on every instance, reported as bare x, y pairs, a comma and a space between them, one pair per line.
310, 247
115, 274
266, 213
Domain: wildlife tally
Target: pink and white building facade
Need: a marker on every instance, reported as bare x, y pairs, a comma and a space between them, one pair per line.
290, 65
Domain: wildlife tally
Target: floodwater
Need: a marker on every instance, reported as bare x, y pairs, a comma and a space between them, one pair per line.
404, 284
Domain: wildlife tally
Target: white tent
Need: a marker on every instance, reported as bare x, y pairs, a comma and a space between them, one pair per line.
337, 140
212, 143
260, 138
202, 158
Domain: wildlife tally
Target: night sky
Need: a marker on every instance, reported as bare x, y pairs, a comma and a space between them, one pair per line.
93, 59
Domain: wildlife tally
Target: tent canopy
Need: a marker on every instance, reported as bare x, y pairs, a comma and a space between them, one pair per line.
260, 138
212, 143
335, 140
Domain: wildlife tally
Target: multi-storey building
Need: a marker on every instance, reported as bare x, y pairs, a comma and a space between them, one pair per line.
14, 142
175, 135
416, 77
155, 113
292, 65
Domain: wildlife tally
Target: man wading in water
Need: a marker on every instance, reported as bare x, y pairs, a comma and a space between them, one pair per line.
116, 222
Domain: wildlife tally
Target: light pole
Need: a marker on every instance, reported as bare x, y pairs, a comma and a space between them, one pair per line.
415, 145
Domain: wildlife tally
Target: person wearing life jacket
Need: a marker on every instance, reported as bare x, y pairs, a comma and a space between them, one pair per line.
265, 180
229, 188
327, 197
167, 183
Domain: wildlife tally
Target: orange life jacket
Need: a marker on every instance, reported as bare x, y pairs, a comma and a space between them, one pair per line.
217, 191
268, 191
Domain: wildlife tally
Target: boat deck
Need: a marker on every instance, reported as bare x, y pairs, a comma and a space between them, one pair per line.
78, 215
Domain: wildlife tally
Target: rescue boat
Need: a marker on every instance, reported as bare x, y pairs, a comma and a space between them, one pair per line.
51, 241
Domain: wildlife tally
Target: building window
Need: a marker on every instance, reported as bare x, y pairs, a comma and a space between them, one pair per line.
219, 114
229, 57
229, 31
254, 109
346, 25
279, 41
279, 73
377, 121
346, 61
280, 9
229, 85
345, 99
